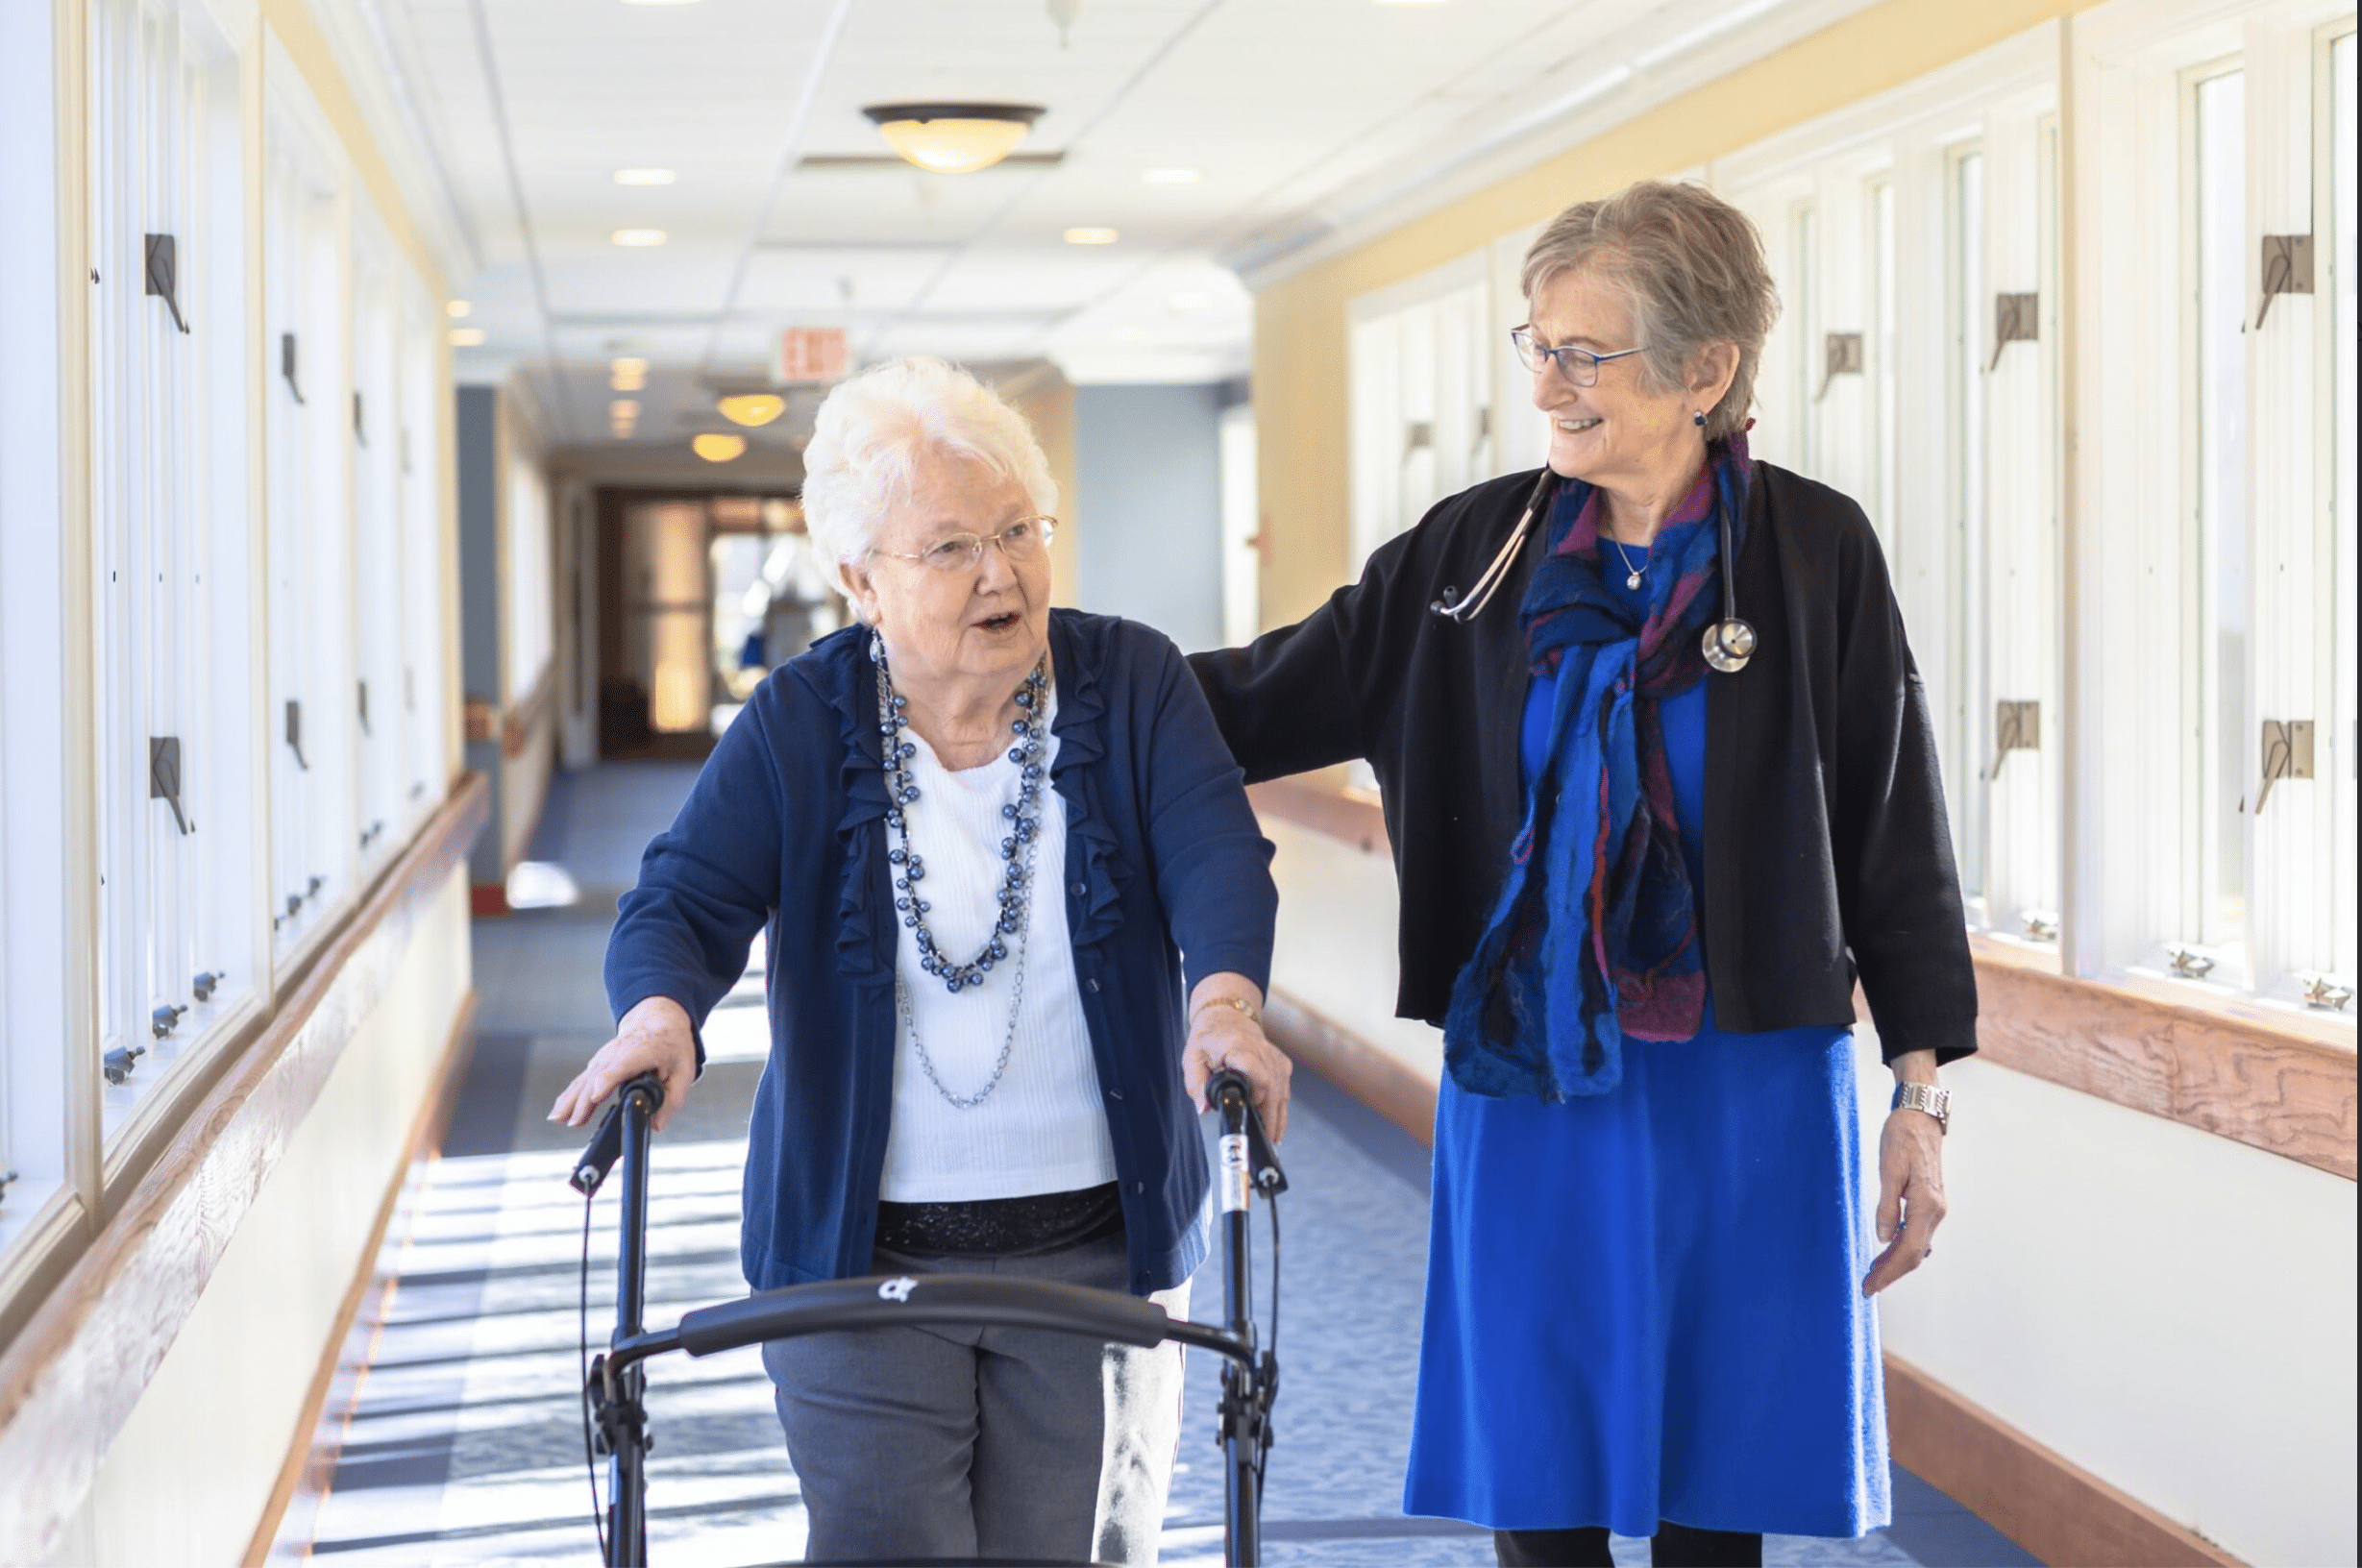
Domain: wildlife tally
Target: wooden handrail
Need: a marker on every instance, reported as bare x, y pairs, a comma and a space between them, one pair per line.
2232, 1071
72, 1376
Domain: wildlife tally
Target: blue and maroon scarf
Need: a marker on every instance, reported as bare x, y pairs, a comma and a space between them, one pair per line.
1595, 935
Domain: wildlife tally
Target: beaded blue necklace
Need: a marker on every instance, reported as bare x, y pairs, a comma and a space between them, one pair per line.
1017, 852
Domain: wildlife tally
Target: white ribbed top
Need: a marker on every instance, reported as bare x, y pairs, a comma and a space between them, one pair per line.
1042, 1130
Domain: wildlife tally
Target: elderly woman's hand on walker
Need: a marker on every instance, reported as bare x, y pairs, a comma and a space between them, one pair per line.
1911, 1181
1226, 1031
654, 1037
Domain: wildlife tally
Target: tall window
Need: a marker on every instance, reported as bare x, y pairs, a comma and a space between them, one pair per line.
170, 559
1804, 299
419, 454
2220, 583
375, 443
1886, 490
1971, 759
531, 578
308, 401
2346, 549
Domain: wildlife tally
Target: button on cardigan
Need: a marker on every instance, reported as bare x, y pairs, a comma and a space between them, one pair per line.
785, 833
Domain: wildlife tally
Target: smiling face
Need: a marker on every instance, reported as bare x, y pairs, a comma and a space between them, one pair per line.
970, 628
1624, 433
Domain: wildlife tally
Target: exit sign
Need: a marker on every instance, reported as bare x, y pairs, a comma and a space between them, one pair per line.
812, 353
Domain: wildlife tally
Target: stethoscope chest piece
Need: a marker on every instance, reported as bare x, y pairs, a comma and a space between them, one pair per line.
1729, 645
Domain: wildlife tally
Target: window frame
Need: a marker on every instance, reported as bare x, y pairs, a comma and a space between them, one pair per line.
315, 876
173, 655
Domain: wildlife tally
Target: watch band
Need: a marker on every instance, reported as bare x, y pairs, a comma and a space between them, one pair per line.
1936, 1102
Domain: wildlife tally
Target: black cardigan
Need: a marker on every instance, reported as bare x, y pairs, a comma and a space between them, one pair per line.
1825, 843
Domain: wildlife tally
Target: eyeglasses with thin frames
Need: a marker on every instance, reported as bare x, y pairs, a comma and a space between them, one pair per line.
1580, 366
1028, 539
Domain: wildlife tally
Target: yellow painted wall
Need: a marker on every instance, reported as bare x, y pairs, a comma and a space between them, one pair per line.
1301, 325
1046, 400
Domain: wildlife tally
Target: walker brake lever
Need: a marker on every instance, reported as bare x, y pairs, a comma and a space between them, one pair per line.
1263, 1161
606, 1145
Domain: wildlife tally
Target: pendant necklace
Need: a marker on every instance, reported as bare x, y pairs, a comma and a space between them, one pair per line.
1634, 572
1017, 853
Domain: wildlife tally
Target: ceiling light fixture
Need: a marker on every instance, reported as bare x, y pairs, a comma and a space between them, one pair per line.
659, 2
644, 177
455, 309
716, 447
1090, 236
638, 236
466, 338
753, 410
953, 138
1171, 176
622, 410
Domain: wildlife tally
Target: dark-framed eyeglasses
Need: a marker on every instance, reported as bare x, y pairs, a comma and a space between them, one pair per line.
1580, 366
1025, 540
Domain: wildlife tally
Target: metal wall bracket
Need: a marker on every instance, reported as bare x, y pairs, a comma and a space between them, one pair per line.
2017, 318
2017, 726
2325, 992
286, 365
2288, 753
2287, 269
163, 275
1417, 436
2188, 962
360, 433
295, 733
1841, 355
2041, 924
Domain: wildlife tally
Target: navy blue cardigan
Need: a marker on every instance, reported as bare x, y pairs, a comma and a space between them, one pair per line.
785, 829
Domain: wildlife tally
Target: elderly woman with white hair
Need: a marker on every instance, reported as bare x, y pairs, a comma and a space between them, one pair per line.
1660, 780
989, 843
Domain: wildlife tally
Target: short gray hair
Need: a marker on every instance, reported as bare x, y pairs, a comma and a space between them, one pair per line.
870, 434
1689, 266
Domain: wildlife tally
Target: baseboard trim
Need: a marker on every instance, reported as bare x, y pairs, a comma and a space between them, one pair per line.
303, 1476
2046, 1503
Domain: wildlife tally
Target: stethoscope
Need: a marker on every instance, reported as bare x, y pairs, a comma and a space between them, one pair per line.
1728, 644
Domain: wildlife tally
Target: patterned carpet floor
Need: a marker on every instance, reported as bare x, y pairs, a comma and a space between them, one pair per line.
462, 1443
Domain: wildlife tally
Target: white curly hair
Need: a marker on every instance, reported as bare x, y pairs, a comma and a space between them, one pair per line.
870, 433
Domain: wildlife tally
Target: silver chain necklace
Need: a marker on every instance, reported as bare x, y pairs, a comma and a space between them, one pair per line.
1017, 851
1634, 573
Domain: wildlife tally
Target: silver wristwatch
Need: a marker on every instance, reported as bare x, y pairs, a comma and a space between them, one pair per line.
1936, 1102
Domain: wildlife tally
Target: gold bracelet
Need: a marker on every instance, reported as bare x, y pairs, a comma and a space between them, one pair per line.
1241, 1003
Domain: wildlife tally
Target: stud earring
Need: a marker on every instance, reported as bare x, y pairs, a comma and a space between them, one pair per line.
1698, 419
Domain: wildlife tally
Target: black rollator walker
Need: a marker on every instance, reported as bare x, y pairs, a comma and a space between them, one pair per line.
616, 1418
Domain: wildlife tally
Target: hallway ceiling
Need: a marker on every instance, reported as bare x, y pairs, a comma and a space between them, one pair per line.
1294, 113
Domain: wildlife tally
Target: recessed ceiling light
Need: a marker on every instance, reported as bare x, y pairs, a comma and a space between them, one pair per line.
753, 410
455, 309
628, 364
627, 383
1380, 2
466, 338
659, 2
1171, 176
623, 408
644, 177
716, 447
1090, 236
638, 236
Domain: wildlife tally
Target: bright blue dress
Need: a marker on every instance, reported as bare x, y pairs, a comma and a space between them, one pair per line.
1646, 1305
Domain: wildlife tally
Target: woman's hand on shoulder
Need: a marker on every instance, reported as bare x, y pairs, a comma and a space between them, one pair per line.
1222, 1036
654, 1037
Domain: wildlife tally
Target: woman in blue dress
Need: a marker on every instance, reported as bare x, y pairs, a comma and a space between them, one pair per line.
1653, 815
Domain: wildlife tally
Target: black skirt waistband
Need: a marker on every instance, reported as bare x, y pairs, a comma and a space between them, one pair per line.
1020, 1227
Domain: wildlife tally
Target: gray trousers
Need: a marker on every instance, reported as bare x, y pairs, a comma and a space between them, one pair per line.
923, 1442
